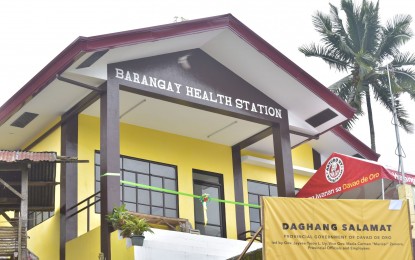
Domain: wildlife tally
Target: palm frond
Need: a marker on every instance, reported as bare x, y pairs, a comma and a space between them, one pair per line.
402, 116
405, 79
352, 23
359, 44
348, 125
322, 23
371, 26
403, 59
382, 94
330, 56
330, 36
349, 92
394, 35
340, 83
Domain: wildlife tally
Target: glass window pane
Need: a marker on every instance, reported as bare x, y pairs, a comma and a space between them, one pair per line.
170, 201
156, 198
157, 182
170, 184
253, 199
143, 196
129, 176
255, 226
198, 210
38, 217
273, 191
206, 177
135, 165
254, 214
144, 209
157, 211
97, 186
143, 179
171, 213
98, 207
97, 173
129, 194
163, 170
213, 213
30, 223
97, 158
209, 230
258, 188
131, 206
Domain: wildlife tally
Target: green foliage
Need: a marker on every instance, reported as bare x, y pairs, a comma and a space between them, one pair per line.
360, 45
135, 226
129, 224
118, 217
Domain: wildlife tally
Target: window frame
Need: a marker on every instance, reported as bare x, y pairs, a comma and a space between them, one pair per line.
259, 199
137, 173
32, 218
220, 185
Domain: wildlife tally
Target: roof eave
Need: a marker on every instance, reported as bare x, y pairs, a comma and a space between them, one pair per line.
363, 149
108, 41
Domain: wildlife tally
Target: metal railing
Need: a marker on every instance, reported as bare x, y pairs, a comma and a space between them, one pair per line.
88, 205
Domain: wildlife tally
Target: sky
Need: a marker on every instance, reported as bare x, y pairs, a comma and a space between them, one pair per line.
34, 32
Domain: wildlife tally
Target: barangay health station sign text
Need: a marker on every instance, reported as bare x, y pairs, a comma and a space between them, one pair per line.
335, 229
183, 91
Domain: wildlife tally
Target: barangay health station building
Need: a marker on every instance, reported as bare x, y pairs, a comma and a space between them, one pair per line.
200, 106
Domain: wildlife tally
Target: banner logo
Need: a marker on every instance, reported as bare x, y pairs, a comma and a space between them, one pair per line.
334, 170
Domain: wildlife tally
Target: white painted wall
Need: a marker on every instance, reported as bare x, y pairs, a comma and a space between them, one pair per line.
172, 245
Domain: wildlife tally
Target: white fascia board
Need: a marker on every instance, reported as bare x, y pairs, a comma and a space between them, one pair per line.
271, 164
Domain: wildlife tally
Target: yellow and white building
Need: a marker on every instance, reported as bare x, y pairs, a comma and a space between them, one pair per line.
201, 106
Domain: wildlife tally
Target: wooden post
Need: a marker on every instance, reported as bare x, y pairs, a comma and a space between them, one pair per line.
110, 161
283, 161
24, 212
239, 194
69, 183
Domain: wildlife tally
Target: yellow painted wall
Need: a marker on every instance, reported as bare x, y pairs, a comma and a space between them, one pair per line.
300, 180
44, 238
186, 153
88, 246
119, 248
303, 156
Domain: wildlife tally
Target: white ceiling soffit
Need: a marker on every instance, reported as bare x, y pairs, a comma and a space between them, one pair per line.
224, 46
233, 52
178, 119
271, 164
268, 78
49, 109
329, 143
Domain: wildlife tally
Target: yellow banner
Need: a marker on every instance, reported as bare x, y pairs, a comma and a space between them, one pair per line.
335, 229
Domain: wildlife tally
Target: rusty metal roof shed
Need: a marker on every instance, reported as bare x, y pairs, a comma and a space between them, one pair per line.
16, 156
42, 175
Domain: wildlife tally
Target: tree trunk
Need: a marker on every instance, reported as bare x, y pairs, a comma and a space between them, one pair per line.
370, 118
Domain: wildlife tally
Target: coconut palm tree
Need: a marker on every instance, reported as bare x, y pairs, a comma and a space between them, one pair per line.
360, 46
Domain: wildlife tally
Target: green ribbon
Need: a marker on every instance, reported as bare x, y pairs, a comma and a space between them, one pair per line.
143, 186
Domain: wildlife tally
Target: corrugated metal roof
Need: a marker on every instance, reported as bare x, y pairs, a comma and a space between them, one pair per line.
16, 156
42, 179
